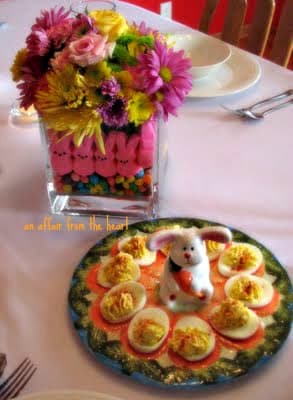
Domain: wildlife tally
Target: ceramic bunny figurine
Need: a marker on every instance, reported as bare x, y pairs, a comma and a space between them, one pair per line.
105, 164
126, 154
185, 283
83, 161
61, 155
145, 154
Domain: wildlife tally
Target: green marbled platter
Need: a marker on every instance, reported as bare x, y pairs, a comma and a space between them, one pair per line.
110, 352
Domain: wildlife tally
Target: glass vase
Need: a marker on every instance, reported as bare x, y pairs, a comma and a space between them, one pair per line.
125, 181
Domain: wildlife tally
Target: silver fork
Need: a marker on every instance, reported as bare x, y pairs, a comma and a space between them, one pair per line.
249, 113
17, 380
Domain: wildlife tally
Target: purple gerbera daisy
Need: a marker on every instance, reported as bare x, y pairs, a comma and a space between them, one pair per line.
163, 72
110, 87
114, 112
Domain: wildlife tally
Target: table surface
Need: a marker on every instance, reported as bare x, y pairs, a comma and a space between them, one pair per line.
235, 172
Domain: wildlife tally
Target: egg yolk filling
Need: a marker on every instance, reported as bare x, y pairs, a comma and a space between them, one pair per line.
190, 342
136, 247
213, 246
148, 332
246, 289
232, 314
240, 257
118, 305
120, 269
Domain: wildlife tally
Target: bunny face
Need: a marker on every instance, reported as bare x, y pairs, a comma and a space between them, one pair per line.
145, 155
83, 163
126, 154
106, 164
188, 249
61, 155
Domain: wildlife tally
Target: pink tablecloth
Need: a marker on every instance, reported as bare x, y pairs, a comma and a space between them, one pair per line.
235, 172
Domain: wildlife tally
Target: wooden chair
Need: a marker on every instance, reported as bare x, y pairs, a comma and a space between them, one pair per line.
259, 29
233, 20
283, 42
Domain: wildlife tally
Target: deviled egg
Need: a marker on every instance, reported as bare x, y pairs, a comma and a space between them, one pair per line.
148, 329
123, 301
118, 269
234, 320
240, 257
214, 249
193, 339
252, 290
136, 246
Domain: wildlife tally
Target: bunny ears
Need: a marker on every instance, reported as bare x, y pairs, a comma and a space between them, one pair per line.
160, 239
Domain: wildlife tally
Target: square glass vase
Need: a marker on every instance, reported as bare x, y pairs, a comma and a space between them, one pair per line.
126, 181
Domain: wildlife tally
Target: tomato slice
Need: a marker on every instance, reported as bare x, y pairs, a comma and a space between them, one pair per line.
244, 344
270, 308
194, 365
260, 271
114, 250
92, 283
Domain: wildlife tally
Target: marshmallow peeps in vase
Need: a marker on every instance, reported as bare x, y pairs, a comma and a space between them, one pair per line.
61, 155
83, 161
185, 282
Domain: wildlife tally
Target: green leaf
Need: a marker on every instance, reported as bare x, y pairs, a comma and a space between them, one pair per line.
126, 39
80, 307
152, 369
82, 322
246, 359
96, 338
113, 350
146, 41
173, 375
122, 56
114, 67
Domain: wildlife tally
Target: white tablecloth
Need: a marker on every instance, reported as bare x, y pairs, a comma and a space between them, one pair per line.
235, 172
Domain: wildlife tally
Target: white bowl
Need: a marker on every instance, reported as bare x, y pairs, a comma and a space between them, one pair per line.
207, 53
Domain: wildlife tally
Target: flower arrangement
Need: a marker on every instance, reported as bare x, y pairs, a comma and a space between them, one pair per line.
98, 84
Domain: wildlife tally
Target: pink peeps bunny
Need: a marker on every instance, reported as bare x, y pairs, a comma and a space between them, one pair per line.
61, 155
105, 164
126, 154
145, 154
83, 161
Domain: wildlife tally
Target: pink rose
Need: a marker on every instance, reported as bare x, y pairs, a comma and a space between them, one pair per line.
90, 49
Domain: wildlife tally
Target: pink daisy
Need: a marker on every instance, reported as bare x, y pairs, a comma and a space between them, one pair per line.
33, 72
50, 18
38, 42
163, 72
59, 35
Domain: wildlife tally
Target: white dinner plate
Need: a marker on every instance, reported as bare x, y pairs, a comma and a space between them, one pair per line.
67, 395
239, 73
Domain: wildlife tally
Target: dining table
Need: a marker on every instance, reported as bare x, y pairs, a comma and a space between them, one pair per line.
220, 168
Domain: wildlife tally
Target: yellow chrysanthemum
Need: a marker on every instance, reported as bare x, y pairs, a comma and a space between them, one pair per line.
66, 90
81, 122
97, 73
63, 106
125, 81
109, 23
93, 98
17, 65
140, 108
